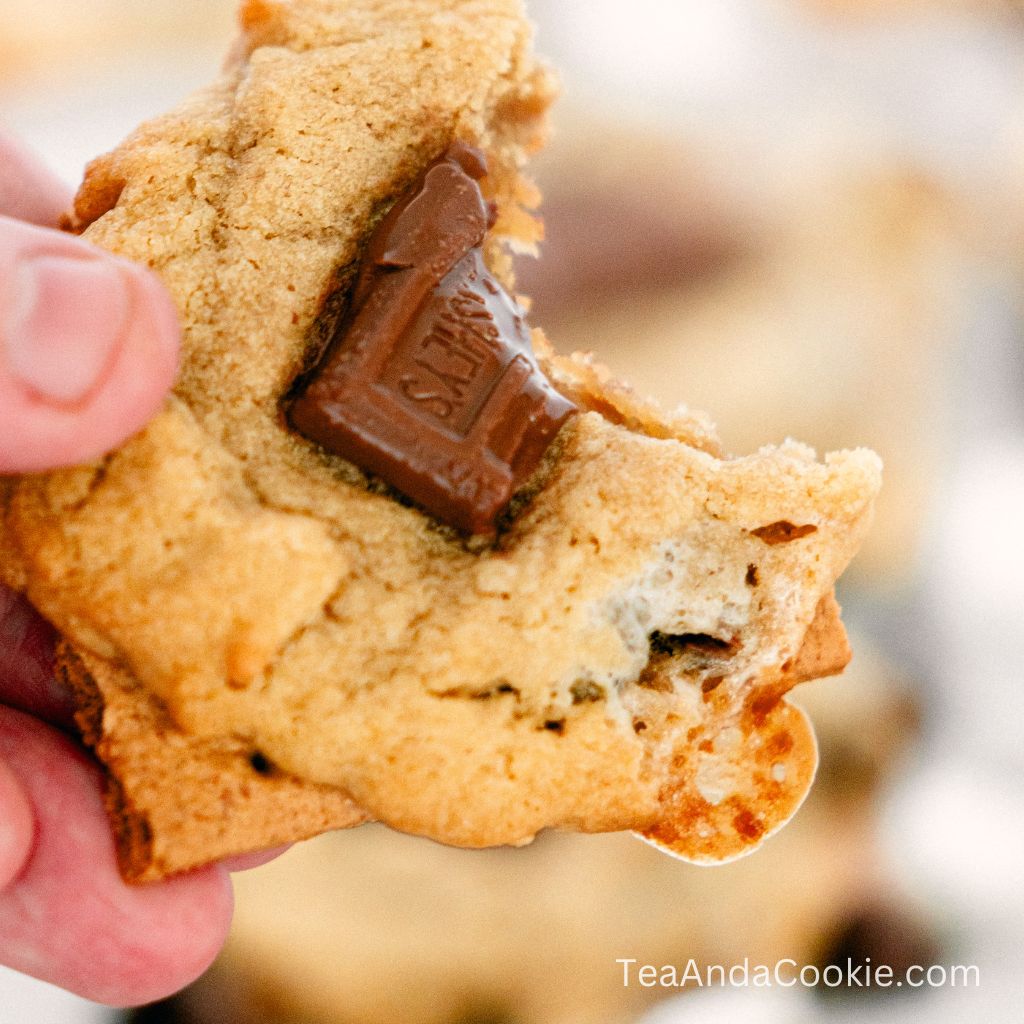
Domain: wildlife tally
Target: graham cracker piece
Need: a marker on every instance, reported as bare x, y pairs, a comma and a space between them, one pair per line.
826, 647
178, 802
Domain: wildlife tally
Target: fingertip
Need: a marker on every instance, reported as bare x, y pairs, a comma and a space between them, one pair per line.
16, 827
88, 349
160, 340
142, 373
29, 190
68, 917
256, 859
191, 914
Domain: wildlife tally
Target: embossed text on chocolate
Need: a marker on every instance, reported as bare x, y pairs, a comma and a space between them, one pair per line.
434, 349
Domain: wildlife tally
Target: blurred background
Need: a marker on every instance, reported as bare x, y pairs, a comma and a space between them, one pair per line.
806, 217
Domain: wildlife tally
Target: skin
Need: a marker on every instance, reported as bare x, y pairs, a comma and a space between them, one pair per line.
78, 376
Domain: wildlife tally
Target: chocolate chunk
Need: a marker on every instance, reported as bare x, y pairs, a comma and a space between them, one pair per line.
430, 381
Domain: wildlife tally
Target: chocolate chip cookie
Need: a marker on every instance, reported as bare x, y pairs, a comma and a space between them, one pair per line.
520, 598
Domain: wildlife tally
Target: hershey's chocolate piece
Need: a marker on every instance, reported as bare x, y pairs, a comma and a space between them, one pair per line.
430, 381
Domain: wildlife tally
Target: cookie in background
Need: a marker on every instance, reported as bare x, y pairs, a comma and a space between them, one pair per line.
43, 42
830, 312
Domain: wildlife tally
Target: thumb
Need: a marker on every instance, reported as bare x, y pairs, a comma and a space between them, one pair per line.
16, 826
88, 348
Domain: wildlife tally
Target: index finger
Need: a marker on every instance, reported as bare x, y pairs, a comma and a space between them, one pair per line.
68, 918
28, 190
27, 679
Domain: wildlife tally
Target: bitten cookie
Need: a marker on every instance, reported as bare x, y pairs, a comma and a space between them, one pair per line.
269, 640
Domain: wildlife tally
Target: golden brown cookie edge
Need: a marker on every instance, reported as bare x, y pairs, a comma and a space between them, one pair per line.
177, 802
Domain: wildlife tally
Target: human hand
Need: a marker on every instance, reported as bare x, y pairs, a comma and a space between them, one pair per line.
88, 351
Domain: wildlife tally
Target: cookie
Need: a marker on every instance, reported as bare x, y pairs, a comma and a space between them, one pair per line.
610, 652
419, 932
